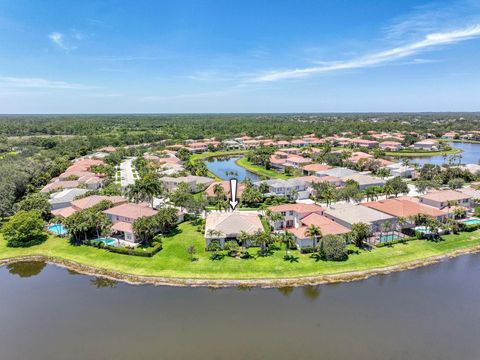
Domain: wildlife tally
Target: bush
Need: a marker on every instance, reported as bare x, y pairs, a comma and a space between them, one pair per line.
398, 241
333, 248
143, 252
307, 250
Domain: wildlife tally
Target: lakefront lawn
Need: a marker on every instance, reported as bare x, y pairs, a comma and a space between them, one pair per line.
174, 262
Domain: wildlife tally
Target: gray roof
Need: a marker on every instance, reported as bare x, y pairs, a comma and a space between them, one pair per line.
338, 172
352, 214
470, 192
363, 179
67, 195
282, 183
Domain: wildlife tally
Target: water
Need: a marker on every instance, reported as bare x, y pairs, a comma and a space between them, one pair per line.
472, 221
57, 229
427, 313
106, 241
221, 167
470, 155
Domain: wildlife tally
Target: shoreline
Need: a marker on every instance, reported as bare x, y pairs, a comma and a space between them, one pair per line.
132, 279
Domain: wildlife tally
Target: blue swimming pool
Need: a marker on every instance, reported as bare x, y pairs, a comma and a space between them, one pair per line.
388, 237
57, 229
472, 221
106, 241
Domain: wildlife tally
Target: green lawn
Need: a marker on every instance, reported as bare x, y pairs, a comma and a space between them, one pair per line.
422, 153
259, 170
173, 261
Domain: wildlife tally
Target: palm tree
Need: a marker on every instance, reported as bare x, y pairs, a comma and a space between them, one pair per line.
288, 240
313, 232
244, 237
134, 192
218, 191
294, 194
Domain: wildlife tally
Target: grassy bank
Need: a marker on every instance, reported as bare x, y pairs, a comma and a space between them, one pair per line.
422, 153
259, 170
173, 261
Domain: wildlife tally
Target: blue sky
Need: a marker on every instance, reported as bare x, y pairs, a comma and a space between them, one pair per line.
243, 56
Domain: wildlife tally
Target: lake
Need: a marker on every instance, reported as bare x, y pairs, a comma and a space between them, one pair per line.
221, 167
427, 313
470, 155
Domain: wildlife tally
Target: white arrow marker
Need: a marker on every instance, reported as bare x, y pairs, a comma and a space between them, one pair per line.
233, 193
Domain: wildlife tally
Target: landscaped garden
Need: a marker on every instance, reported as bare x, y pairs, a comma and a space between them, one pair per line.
175, 261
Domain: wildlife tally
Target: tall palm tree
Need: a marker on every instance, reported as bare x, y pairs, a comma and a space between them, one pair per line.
313, 232
288, 240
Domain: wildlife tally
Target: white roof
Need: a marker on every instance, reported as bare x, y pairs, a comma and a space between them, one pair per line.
67, 195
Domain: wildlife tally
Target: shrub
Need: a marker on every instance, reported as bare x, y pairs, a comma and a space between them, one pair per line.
333, 248
398, 241
143, 252
307, 250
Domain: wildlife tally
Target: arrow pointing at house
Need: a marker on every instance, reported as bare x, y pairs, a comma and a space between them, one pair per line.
233, 193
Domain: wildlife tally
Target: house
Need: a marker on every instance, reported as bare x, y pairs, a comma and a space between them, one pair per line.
364, 142
210, 190
338, 172
251, 144
470, 191
312, 169
429, 145
296, 218
349, 214
297, 161
225, 226
232, 145
292, 188
450, 135
443, 198
311, 179
65, 198
59, 185
108, 149
405, 208
91, 201
282, 143
365, 181
398, 169
123, 216
299, 142
292, 214
197, 147
357, 156
390, 146
195, 183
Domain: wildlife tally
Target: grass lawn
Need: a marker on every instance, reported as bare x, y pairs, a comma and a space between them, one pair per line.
173, 260
259, 170
422, 153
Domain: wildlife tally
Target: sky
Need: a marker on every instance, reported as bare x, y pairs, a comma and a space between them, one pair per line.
223, 56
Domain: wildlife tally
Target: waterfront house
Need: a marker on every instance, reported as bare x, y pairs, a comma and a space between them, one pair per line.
195, 183
443, 198
123, 216
289, 188
429, 145
296, 218
390, 146
349, 214
397, 169
225, 226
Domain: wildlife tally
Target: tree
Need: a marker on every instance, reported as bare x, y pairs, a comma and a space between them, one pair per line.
383, 172
456, 183
398, 186
360, 233
145, 228
24, 229
191, 250
38, 202
288, 239
314, 233
166, 219
183, 154
232, 247
262, 239
251, 196
334, 248
244, 238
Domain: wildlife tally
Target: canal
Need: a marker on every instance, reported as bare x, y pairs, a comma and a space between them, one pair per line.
428, 313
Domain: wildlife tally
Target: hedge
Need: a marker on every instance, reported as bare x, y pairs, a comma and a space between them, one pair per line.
149, 252
398, 241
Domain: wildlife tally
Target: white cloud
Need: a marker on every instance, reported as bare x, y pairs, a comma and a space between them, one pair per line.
39, 83
429, 41
59, 39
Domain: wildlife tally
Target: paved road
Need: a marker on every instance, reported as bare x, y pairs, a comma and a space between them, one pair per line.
126, 172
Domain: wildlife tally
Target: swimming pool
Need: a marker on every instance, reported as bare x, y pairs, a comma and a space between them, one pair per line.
388, 237
57, 229
106, 241
472, 221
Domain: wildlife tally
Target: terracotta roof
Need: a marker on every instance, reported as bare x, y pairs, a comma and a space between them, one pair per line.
301, 208
123, 227
132, 211
64, 212
232, 223
59, 185
89, 201
226, 188
316, 167
327, 226
403, 208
